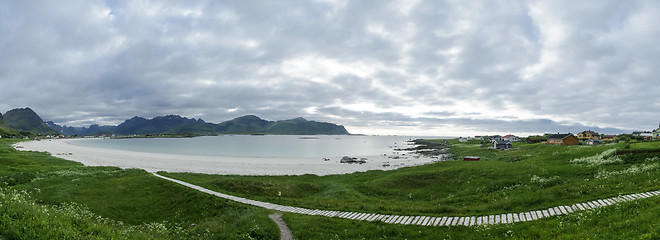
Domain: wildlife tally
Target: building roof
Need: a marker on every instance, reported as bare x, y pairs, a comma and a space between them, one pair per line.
590, 132
503, 142
560, 136
641, 132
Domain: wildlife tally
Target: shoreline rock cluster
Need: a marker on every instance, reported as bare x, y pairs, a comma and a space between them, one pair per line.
428, 148
419, 148
351, 160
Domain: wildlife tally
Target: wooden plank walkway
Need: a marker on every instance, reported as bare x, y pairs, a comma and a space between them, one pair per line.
429, 220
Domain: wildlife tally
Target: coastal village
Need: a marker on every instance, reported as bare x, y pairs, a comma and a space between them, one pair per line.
587, 137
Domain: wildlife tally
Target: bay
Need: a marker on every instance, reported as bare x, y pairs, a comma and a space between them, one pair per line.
266, 146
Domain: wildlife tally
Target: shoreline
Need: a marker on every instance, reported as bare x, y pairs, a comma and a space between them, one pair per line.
154, 162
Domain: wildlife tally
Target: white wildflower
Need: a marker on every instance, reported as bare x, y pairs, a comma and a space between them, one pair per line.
606, 157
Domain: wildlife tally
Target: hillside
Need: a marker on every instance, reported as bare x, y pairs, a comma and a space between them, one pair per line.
244, 124
25, 119
6, 130
300, 126
39, 200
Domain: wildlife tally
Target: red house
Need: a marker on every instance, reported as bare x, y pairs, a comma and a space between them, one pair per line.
471, 158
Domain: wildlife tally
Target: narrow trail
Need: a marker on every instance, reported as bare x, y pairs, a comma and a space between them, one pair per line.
285, 232
429, 220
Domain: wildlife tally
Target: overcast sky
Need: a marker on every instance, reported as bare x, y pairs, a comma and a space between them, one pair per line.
443, 68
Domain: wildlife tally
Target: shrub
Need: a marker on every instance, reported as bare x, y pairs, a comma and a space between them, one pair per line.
606, 157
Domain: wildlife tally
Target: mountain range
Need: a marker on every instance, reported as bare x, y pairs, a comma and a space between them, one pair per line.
27, 120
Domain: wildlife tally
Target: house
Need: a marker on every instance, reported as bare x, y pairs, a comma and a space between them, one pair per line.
502, 144
496, 137
645, 135
478, 138
592, 141
656, 133
642, 134
535, 139
462, 139
609, 137
588, 135
563, 139
511, 138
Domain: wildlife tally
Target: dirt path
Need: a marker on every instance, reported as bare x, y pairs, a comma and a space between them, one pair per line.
285, 233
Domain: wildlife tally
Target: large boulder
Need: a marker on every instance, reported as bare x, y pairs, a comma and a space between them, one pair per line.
347, 159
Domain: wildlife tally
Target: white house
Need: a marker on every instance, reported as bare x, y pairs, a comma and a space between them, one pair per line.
592, 141
462, 139
502, 144
511, 138
646, 135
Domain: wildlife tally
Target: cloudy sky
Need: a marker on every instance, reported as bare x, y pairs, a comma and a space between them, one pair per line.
443, 68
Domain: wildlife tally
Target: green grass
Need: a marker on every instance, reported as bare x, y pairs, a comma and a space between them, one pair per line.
535, 176
46, 197
645, 145
630, 220
529, 177
132, 204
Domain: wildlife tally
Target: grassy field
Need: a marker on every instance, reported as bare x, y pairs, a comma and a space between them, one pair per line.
42, 197
131, 204
645, 145
632, 220
534, 176
528, 177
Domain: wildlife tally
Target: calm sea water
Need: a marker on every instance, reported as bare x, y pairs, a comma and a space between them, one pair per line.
271, 146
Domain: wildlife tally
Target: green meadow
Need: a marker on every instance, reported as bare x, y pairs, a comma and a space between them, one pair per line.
534, 176
49, 198
44, 197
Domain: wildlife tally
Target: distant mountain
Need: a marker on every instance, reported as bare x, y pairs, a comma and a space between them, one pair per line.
6, 130
62, 129
174, 124
300, 126
94, 129
296, 126
24, 119
164, 124
245, 124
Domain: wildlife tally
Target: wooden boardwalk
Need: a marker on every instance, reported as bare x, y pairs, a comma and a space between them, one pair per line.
428, 220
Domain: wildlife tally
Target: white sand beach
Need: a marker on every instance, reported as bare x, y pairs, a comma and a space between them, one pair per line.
154, 162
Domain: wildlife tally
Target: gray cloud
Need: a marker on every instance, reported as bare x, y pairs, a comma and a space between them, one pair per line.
407, 67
